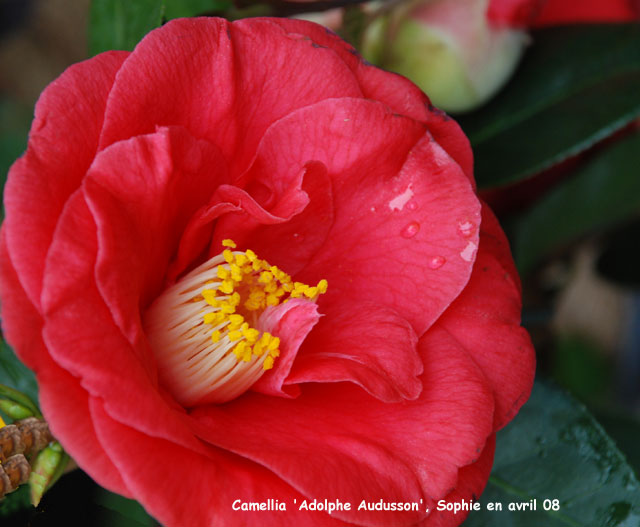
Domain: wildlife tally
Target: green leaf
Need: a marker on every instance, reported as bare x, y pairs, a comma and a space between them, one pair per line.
15, 120
15, 502
604, 192
15, 374
124, 512
121, 24
575, 86
184, 8
555, 450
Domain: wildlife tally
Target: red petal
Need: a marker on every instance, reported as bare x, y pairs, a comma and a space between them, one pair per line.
372, 346
65, 405
395, 91
224, 82
392, 214
82, 337
291, 322
568, 11
62, 143
142, 192
365, 448
21, 322
485, 320
180, 487
514, 13
471, 482
305, 221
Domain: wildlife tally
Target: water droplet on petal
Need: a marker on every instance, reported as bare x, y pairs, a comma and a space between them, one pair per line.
436, 262
412, 205
298, 237
469, 252
466, 228
410, 230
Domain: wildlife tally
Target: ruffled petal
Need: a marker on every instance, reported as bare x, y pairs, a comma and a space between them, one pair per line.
291, 322
224, 82
485, 320
397, 92
62, 143
371, 346
82, 337
471, 482
21, 322
336, 441
391, 213
142, 193
181, 487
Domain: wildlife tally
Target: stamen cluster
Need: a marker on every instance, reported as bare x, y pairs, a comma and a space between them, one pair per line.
262, 285
207, 331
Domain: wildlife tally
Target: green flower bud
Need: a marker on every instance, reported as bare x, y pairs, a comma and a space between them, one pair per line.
448, 48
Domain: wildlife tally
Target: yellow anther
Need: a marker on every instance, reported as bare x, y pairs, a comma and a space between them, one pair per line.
265, 277
209, 296
234, 299
258, 349
209, 318
222, 273
311, 292
322, 286
234, 335
226, 287
287, 286
251, 255
271, 287
246, 354
241, 259
273, 345
227, 308
215, 336
268, 363
272, 300
239, 349
236, 272
235, 321
250, 334
227, 255
229, 243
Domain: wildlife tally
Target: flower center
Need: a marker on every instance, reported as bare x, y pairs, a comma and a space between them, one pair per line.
206, 330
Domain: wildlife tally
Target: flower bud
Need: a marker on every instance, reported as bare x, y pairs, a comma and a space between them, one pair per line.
448, 48
45, 468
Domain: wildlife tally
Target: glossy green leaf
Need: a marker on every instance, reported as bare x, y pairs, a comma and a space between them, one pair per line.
15, 374
555, 450
121, 24
184, 8
575, 86
604, 192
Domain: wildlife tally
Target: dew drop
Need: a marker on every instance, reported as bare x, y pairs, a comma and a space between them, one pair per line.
466, 228
436, 262
412, 205
410, 230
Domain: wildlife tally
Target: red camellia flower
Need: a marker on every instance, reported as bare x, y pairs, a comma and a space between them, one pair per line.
247, 266
538, 13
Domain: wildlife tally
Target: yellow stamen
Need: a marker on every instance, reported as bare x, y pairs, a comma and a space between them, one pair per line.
225, 298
